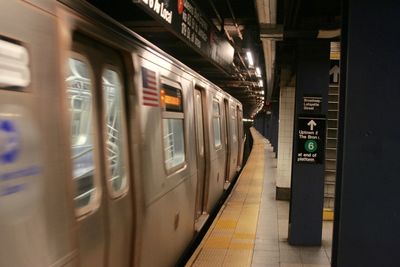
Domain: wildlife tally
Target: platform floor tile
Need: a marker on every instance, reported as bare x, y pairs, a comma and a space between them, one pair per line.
231, 239
251, 228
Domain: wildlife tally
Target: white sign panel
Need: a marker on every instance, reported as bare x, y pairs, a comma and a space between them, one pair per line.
14, 70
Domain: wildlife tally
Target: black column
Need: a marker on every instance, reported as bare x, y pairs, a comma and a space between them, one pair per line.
266, 125
269, 127
311, 105
263, 125
367, 214
257, 121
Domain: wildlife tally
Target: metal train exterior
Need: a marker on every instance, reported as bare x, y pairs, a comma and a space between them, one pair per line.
112, 153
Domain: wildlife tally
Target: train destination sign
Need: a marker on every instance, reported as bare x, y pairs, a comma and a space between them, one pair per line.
171, 98
312, 104
186, 20
310, 139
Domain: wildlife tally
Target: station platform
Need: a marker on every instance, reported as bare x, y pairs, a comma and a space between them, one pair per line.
251, 229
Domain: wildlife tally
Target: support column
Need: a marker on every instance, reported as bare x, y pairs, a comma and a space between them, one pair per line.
311, 105
367, 208
285, 142
269, 127
259, 123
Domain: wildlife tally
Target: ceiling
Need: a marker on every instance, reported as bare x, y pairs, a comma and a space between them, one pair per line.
269, 29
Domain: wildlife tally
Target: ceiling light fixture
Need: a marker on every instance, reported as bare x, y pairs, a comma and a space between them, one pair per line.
250, 58
258, 72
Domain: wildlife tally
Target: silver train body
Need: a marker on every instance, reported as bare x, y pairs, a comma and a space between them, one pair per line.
112, 153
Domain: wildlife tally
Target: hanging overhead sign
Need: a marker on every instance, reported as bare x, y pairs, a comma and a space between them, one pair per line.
185, 20
160, 8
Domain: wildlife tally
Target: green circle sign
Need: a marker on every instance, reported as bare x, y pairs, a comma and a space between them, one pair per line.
310, 146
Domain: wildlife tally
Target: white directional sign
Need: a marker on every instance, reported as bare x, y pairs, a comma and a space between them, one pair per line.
335, 71
310, 138
312, 123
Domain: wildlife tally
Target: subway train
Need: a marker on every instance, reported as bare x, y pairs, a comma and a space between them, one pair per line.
112, 153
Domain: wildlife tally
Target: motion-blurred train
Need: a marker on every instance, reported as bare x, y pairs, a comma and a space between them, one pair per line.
112, 153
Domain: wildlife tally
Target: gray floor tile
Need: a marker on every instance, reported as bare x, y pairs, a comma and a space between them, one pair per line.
266, 247
267, 257
314, 257
284, 245
264, 265
267, 243
309, 250
328, 252
292, 257
284, 264
271, 246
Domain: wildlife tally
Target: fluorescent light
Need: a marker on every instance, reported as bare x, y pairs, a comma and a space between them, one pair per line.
250, 58
258, 72
260, 83
250, 120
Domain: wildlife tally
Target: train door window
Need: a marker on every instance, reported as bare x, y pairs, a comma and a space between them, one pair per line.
217, 124
239, 123
115, 132
199, 122
173, 126
79, 93
233, 124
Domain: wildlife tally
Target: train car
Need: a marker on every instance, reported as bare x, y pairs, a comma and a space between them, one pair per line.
112, 152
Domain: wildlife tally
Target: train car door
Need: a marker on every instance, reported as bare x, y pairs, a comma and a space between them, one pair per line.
95, 98
234, 141
228, 148
201, 162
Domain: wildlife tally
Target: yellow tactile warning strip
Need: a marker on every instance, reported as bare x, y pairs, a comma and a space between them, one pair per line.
230, 239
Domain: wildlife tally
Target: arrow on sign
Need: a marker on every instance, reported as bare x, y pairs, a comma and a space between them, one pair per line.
311, 123
335, 71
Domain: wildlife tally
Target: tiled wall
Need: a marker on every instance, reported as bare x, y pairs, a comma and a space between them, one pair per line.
285, 140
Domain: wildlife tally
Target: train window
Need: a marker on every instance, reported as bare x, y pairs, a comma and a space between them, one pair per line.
116, 151
240, 123
199, 122
233, 124
217, 124
173, 127
174, 149
79, 93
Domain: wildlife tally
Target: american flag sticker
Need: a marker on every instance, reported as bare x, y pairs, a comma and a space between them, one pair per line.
151, 96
